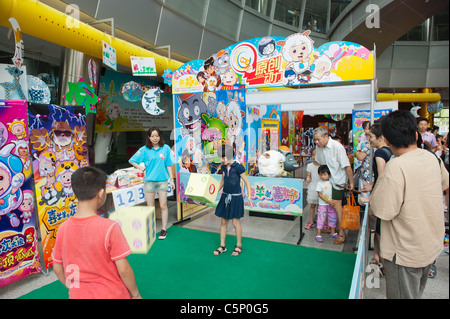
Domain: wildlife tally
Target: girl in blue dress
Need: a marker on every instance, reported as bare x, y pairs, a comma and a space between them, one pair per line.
231, 203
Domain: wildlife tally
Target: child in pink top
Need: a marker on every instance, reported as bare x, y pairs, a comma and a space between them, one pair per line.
89, 256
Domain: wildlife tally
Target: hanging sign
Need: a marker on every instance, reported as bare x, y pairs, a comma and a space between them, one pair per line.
275, 61
109, 56
143, 66
17, 59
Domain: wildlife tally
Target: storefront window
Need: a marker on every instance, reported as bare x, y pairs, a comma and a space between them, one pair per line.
194, 10
418, 33
315, 18
288, 12
440, 26
262, 6
337, 6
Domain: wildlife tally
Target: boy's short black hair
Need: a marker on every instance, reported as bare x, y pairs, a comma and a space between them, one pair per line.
323, 169
399, 128
87, 182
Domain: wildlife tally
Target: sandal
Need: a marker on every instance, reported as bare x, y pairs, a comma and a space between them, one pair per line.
236, 252
310, 225
220, 250
319, 239
340, 240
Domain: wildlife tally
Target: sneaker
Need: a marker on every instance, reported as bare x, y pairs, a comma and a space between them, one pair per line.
163, 234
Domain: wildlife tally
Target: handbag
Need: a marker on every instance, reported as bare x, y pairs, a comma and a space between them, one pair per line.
350, 215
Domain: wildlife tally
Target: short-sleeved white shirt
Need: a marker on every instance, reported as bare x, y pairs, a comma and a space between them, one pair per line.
334, 156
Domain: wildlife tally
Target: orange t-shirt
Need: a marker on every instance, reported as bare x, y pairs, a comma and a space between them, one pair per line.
88, 248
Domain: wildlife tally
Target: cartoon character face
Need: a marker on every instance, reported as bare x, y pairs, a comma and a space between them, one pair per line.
234, 118
223, 62
298, 52
266, 46
210, 70
62, 134
17, 129
113, 111
47, 161
221, 110
64, 172
212, 82
191, 109
229, 78
22, 151
27, 204
5, 179
233, 123
297, 47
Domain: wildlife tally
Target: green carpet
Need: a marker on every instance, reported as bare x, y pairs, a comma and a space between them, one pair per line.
183, 267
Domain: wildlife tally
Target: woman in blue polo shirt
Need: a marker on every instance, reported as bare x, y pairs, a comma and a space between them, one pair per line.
157, 157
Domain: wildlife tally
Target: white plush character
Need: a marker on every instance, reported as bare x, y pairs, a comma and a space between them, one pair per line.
271, 164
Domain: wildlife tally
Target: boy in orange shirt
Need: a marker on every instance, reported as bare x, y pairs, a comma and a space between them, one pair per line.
89, 256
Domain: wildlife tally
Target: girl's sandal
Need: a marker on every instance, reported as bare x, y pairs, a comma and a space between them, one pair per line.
220, 250
237, 251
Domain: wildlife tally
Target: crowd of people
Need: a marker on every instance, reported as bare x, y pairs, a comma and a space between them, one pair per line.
403, 182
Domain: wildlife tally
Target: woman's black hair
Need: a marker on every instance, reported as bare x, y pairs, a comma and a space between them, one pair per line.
149, 143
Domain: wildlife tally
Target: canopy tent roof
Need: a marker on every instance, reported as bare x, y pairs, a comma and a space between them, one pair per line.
315, 101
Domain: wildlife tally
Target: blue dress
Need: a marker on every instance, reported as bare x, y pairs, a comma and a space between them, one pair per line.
231, 203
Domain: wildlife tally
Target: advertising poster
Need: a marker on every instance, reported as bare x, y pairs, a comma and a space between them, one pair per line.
275, 61
120, 108
360, 142
205, 121
19, 252
58, 148
268, 195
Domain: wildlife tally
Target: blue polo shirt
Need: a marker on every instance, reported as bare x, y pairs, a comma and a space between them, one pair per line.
155, 161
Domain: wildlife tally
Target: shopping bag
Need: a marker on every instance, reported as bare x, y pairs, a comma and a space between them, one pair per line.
350, 215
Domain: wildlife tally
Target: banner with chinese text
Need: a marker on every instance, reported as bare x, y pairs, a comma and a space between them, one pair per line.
269, 195
275, 61
19, 252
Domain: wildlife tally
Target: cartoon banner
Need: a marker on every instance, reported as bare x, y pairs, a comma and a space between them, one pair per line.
203, 122
123, 105
268, 195
275, 61
58, 147
19, 252
360, 142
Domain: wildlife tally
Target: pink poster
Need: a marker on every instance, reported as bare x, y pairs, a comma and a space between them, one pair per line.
19, 252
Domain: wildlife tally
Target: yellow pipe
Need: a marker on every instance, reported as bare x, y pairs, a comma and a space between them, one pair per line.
410, 97
44, 22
